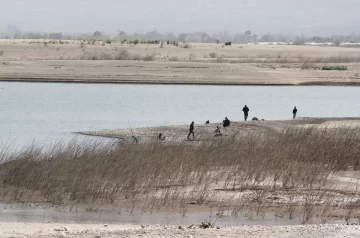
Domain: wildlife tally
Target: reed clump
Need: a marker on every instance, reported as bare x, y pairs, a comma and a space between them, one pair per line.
241, 173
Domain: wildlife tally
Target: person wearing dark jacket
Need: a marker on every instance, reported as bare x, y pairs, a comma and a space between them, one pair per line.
294, 112
191, 131
246, 112
226, 122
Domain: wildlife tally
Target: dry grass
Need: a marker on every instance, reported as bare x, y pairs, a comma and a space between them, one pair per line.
149, 57
90, 56
309, 66
240, 173
213, 55
174, 58
123, 55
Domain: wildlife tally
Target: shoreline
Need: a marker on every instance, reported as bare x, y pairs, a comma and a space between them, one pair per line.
176, 133
170, 82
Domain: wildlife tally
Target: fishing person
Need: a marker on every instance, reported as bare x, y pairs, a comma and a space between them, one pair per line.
218, 131
246, 112
294, 113
191, 131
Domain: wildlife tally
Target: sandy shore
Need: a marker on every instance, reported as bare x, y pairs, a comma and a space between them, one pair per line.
178, 133
32, 61
37, 230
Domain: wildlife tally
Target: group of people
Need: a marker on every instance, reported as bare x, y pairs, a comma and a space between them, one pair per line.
226, 122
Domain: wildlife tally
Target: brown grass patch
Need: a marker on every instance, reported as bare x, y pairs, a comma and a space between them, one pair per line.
294, 166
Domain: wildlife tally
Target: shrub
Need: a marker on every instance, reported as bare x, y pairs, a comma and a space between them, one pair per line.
174, 58
149, 57
213, 55
192, 56
104, 56
336, 67
220, 59
87, 56
108, 42
136, 57
308, 66
1, 52
123, 55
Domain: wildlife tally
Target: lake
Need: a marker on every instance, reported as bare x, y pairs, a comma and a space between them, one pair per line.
47, 112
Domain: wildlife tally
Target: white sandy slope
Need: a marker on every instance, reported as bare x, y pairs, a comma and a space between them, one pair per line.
104, 231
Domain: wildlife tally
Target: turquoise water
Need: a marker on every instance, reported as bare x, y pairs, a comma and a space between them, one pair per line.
47, 112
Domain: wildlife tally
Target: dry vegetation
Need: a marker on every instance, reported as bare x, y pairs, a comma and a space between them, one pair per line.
288, 173
99, 50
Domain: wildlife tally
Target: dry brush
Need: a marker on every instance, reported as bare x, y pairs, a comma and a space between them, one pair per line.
248, 174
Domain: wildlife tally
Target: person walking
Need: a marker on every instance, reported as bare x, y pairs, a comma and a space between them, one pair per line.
191, 131
294, 113
246, 112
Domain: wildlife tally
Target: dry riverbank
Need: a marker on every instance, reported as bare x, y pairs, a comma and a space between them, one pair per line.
206, 132
76, 62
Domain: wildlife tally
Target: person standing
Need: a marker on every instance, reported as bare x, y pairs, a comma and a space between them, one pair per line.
294, 113
246, 112
191, 131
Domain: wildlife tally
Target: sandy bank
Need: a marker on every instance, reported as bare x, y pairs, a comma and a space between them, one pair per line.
76, 62
95, 230
178, 133
196, 73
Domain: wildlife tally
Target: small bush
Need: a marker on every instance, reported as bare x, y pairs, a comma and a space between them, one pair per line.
149, 57
174, 58
123, 55
336, 67
104, 56
187, 46
136, 57
213, 55
220, 59
108, 42
192, 56
308, 66
87, 56
1, 53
